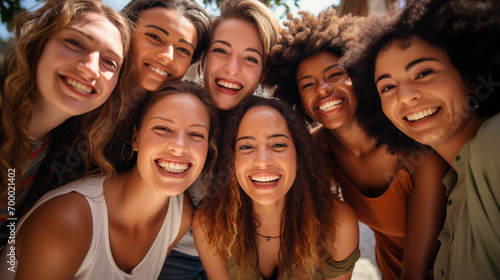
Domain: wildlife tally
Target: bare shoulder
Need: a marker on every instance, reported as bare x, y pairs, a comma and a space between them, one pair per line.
55, 238
347, 230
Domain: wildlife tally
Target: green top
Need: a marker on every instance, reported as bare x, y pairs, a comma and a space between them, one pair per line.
470, 239
332, 269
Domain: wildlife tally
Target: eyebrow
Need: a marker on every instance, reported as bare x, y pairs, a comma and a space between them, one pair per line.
324, 71
92, 38
408, 67
268, 137
172, 122
229, 45
168, 34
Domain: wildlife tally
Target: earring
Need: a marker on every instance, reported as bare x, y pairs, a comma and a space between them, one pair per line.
127, 156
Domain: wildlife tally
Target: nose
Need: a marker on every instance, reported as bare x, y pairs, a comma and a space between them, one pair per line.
166, 54
233, 67
178, 145
408, 94
89, 66
263, 158
324, 88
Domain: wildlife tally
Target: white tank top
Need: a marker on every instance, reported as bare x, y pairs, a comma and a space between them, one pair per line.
99, 262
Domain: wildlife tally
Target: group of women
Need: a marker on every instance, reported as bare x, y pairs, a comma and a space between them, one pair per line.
116, 168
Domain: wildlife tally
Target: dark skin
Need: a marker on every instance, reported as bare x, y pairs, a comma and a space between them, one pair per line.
346, 143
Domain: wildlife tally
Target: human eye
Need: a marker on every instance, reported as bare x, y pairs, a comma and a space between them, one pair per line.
252, 59
162, 128
219, 50
197, 135
386, 88
279, 146
154, 37
183, 50
111, 63
245, 147
424, 73
74, 43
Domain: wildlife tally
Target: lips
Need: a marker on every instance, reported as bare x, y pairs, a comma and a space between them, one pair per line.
330, 105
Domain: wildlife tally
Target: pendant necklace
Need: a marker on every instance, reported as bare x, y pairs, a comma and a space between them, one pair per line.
267, 236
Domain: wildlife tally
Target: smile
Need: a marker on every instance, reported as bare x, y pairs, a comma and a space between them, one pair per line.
79, 86
421, 115
265, 180
158, 71
331, 105
173, 167
228, 85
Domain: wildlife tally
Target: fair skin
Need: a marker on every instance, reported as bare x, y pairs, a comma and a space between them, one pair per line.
266, 165
77, 71
163, 46
328, 97
426, 97
233, 63
137, 201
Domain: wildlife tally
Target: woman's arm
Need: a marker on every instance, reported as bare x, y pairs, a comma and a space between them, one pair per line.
425, 215
214, 265
187, 218
54, 240
347, 235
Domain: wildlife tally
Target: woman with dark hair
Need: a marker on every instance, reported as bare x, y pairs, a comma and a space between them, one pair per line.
433, 69
399, 193
271, 213
123, 226
233, 66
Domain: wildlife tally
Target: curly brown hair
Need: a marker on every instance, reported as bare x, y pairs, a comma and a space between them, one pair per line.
307, 222
467, 30
79, 134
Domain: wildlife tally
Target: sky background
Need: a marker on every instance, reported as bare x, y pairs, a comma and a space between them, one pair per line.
313, 6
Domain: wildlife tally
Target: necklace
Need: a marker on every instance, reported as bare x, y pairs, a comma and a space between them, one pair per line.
267, 236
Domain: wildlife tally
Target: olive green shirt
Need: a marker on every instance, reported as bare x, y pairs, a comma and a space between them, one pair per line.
470, 239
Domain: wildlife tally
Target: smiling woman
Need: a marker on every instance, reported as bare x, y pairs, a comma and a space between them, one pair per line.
105, 228
57, 86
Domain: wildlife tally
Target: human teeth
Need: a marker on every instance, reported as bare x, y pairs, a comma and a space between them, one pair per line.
158, 71
265, 178
229, 85
421, 114
174, 167
328, 106
79, 86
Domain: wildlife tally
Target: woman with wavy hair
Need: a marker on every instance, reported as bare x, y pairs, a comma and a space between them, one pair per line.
393, 184
234, 65
433, 69
57, 93
271, 212
123, 226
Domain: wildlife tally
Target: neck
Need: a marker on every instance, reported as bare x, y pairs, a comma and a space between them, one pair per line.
269, 217
133, 202
450, 149
354, 139
44, 119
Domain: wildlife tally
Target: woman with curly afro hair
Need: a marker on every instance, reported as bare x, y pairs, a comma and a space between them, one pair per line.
393, 185
434, 68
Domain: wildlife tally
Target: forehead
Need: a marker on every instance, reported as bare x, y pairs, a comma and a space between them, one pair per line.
180, 107
317, 62
263, 121
237, 31
98, 27
404, 49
